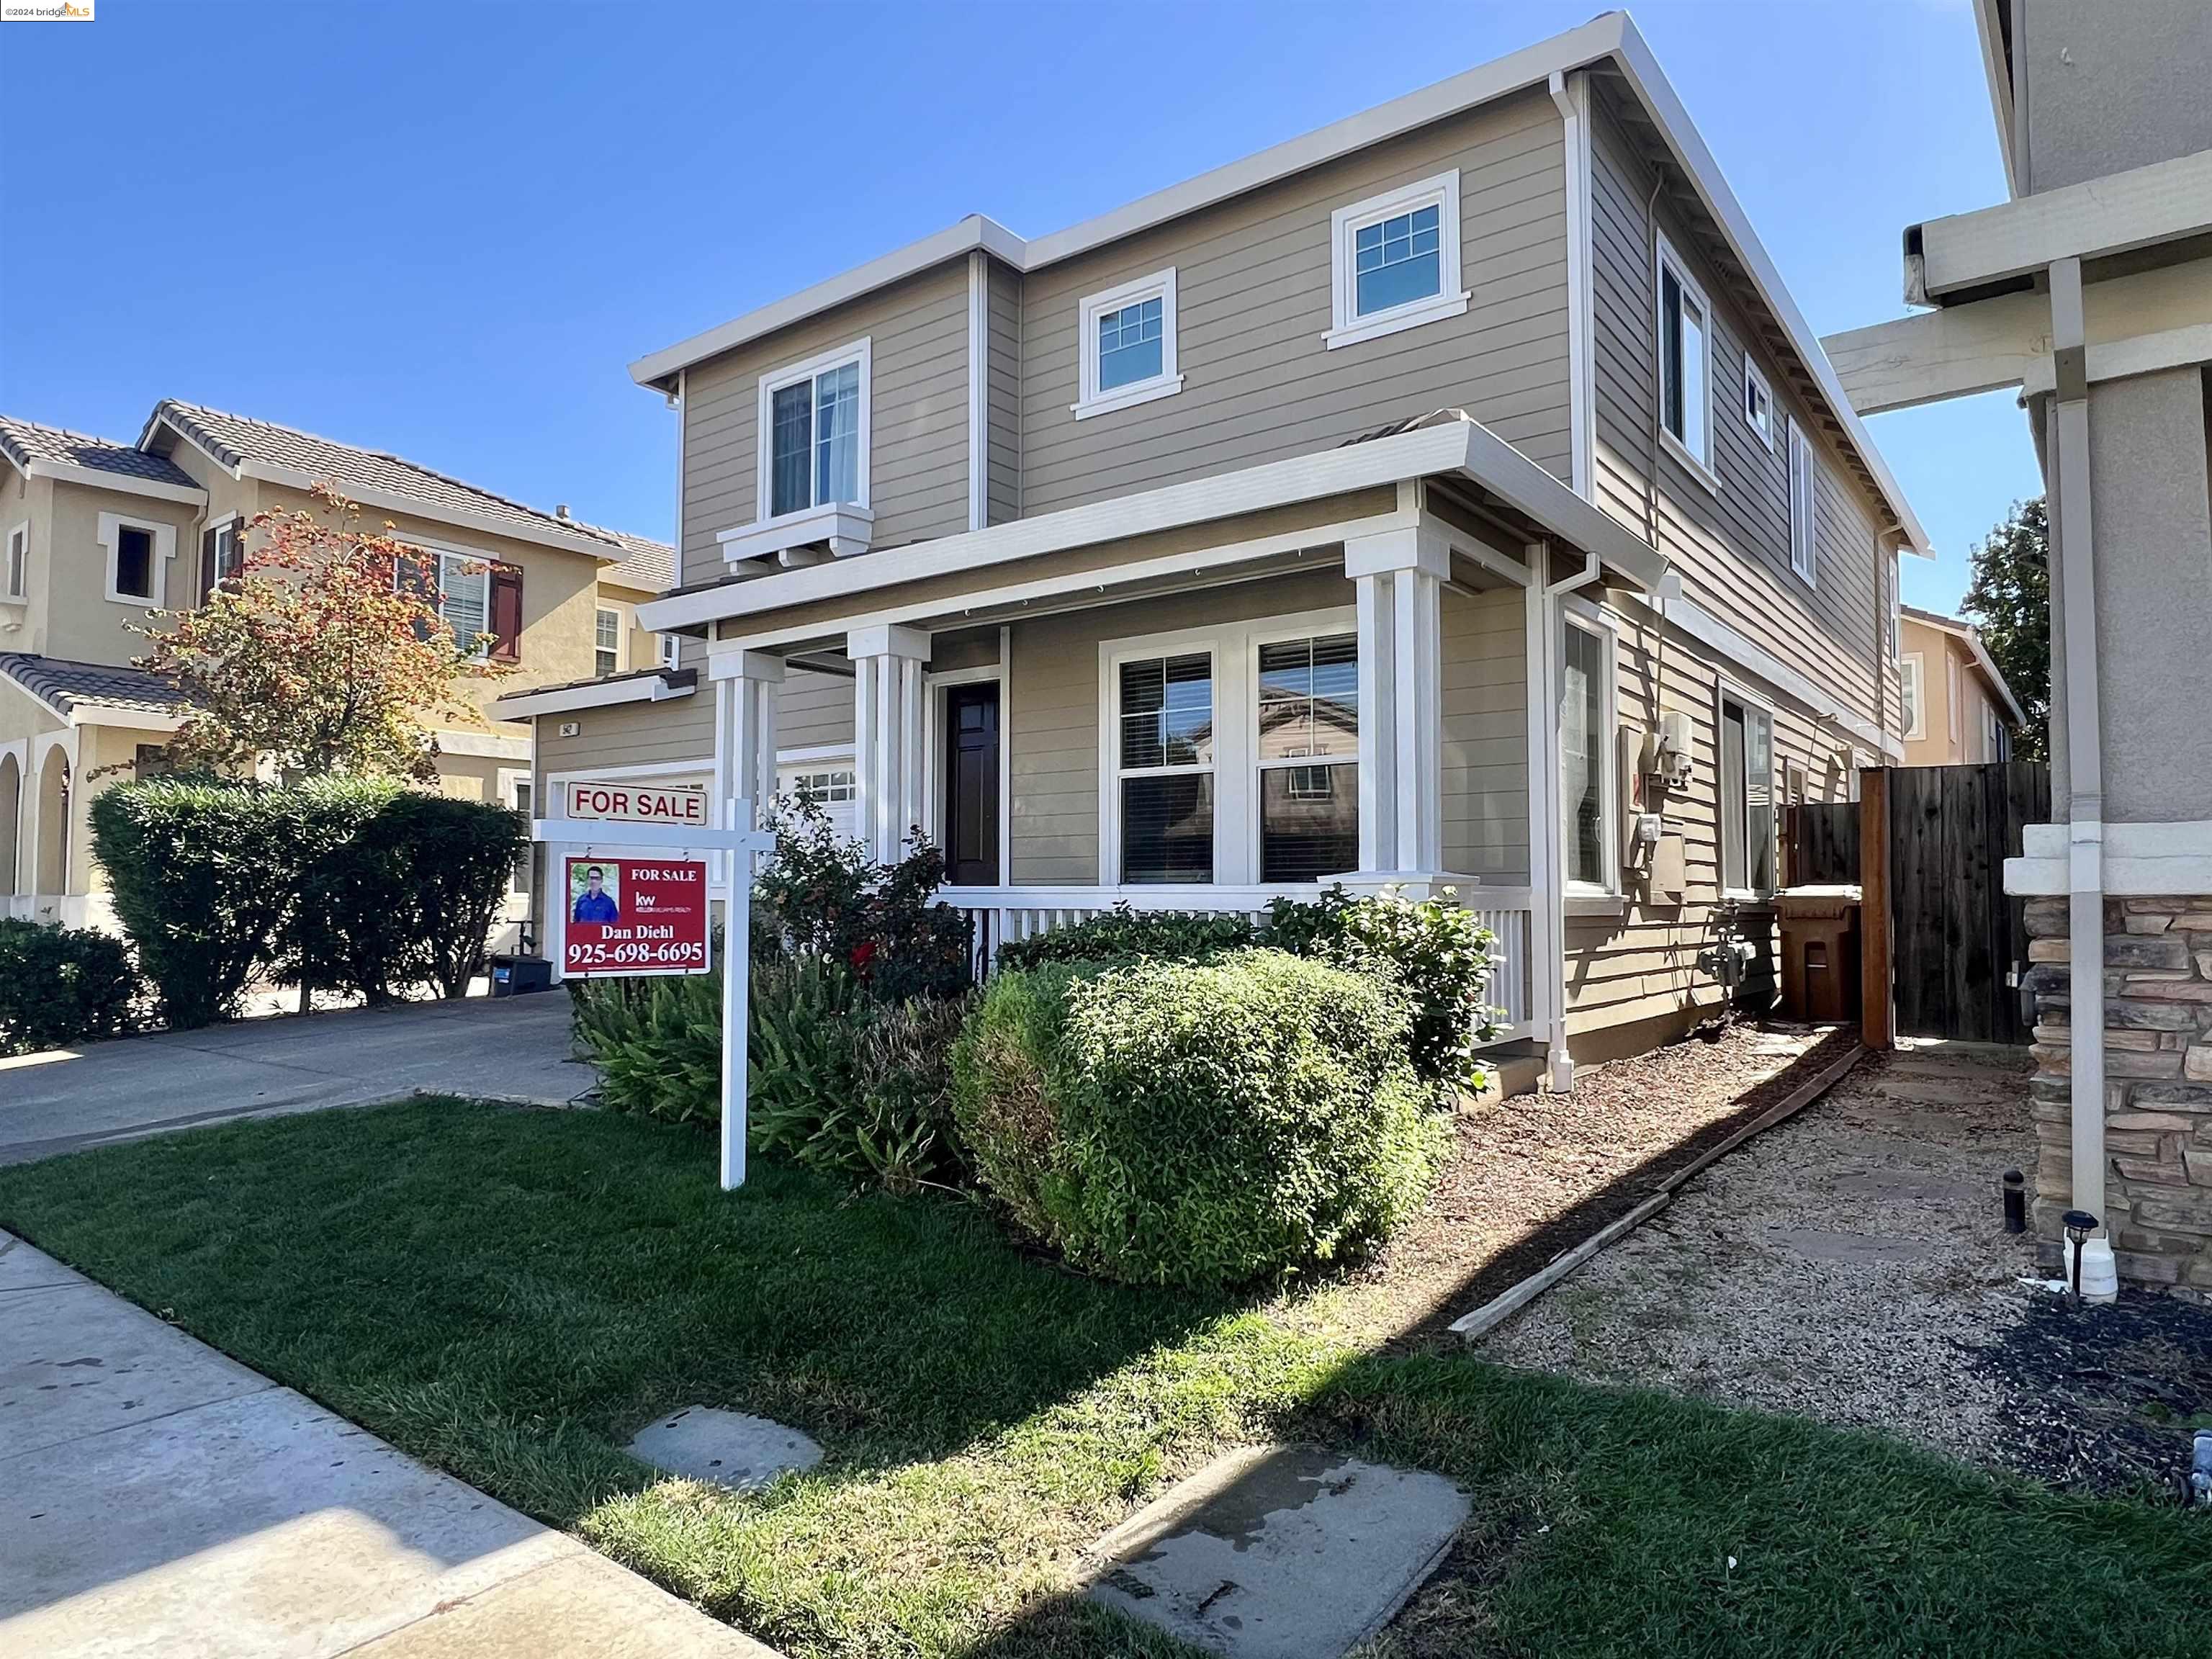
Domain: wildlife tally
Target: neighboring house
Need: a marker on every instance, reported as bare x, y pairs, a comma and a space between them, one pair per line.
1450, 497
1957, 709
2091, 291
98, 533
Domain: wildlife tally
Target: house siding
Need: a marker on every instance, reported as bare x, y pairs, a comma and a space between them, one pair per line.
1484, 726
918, 414
1003, 394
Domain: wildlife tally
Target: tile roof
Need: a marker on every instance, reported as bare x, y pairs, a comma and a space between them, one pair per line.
232, 439
25, 441
64, 684
648, 565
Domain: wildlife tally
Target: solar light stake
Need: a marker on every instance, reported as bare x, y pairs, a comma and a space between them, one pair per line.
2079, 1225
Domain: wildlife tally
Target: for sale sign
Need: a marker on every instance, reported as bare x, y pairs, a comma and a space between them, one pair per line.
634, 916
631, 803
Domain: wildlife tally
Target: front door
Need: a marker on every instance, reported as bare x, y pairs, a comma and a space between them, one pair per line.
971, 786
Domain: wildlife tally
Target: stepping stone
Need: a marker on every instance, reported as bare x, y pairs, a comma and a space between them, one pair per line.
1853, 1249
1279, 1552
726, 1448
1914, 1186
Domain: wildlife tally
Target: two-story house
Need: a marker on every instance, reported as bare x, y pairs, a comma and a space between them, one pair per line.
1450, 497
1957, 709
2090, 291
100, 534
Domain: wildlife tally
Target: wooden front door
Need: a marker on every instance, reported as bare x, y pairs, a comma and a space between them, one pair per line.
971, 786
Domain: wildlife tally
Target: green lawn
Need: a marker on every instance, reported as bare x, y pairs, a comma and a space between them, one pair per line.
510, 1294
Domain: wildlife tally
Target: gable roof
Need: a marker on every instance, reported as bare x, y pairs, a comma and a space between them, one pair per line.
648, 566
27, 444
249, 448
1959, 628
1611, 40
62, 685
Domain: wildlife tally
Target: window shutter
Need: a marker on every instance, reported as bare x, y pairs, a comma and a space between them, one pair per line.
507, 612
207, 565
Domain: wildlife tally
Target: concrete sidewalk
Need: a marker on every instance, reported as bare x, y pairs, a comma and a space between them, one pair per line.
159, 1499
504, 1049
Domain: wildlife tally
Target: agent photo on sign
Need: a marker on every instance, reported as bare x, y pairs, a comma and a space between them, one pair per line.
595, 902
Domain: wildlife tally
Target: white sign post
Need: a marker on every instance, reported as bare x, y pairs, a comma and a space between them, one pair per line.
592, 837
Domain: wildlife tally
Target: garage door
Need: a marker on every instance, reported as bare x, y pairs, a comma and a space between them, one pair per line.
830, 782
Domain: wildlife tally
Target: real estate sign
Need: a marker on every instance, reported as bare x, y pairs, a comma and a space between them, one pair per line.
633, 916
630, 803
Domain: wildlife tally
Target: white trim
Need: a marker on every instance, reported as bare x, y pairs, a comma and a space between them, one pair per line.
1913, 686
1578, 614
844, 528
1348, 325
603, 608
2141, 860
1571, 96
1762, 425
482, 745
163, 548
1725, 691
507, 780
1805, 490
1668, 262
861, 351
122, 483
1161, 286
979, 380
15, 575
1951, 692
597, 694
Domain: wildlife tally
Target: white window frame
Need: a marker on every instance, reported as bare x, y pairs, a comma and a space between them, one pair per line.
1913, 686
15, 564
934, 689
111, 526
622, 638
861, 351
428, 551
1275, 631
1805, 493
1951, 681
1347, 327
1726, 692
669, 651
1161, 286
513, 781
1590, 621
231, 525
1758, 403
1700, 467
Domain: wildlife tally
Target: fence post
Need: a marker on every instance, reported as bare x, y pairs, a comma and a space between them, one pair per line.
1877, 1014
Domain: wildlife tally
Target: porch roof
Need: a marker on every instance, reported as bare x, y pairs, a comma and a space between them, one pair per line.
1004, 562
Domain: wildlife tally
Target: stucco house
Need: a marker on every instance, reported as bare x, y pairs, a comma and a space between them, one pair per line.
2091, 292
99, 532
1451, 497
1957, 709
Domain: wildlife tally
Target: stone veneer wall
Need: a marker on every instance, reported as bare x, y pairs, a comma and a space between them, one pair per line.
2157, 1086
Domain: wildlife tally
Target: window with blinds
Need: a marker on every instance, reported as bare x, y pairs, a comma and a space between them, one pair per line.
1309, 758
1164, 753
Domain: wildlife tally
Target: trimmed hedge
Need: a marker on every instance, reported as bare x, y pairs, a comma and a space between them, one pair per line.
1125, 934
1197, 1123
60, 986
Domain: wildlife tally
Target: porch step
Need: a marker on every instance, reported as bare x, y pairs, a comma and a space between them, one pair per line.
1514, 1069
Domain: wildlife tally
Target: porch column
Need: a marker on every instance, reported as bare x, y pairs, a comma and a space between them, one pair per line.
1397, 577
887, 734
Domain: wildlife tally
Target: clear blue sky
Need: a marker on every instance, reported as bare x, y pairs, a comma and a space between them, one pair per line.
444, 228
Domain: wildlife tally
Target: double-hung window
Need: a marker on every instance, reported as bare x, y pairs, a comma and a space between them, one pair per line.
1746, 797
15, 571
1804, 508
457, 586
1685, 364
1395, 262
1128, 345
814, 423
606, 641
1309, 758
1165, 749
1586, 695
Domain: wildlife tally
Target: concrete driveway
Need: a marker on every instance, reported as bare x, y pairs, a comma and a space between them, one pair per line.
508, 1049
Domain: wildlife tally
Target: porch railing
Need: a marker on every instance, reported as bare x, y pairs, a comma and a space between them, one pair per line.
997, 915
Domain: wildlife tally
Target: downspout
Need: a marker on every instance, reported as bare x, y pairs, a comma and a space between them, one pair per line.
2085, 769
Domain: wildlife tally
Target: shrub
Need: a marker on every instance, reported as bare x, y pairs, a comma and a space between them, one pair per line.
60, 986
657, 1043
458, 856
806, 1018
201, 873
1196, 1123
902, 1093
1122, 933
1433, 952
350, 925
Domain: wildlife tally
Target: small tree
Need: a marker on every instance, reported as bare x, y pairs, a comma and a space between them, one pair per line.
2009, 600
324, 653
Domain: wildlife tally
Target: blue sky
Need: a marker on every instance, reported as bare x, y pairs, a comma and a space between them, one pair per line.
444, 228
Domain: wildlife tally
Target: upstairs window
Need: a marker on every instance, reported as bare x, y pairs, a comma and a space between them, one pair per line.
1685, 363
15, 570
1309, 758
671, 650
1804, 512
814, 419
137, 550
606, 641
1164, 755
479, 599
1396, 262
222, 555
1909, 672
1758, 403
464, 600
1129, 345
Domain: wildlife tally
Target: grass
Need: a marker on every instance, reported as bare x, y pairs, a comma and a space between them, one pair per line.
509, 1295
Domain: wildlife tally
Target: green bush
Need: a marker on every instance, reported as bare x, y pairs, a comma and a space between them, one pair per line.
60, 986
1125, 934
902, 1093
459, 857
1433, 952
1197, 1123
657, 1043
202, 876
806, 1015
350, 925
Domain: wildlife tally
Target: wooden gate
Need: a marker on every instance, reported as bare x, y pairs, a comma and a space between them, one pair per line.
1961, 941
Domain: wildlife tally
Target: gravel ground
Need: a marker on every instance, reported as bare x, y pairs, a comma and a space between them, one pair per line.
1850, 1265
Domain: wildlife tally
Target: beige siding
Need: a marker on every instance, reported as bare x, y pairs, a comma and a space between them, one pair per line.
1486, 736
1731, 545
918, 414
1005, 393
814, 711
1253, 297
72, 616
675, 733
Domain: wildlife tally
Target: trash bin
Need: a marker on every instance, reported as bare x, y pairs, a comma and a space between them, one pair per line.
512, 976
1819, 928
